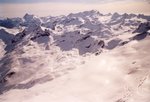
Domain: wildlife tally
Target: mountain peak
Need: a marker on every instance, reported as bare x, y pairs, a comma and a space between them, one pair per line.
28, 16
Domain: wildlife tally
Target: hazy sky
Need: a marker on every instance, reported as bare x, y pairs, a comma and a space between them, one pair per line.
13, 8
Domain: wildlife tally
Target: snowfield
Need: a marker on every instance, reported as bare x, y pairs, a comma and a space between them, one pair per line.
120, 75
82, 57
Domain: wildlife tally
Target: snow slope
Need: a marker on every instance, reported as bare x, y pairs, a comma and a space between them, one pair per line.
120, 75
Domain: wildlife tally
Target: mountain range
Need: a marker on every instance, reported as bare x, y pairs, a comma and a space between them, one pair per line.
37, 50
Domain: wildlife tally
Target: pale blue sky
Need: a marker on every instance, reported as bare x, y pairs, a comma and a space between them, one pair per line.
68, 1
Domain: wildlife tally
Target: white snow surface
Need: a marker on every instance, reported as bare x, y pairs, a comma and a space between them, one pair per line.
120, 75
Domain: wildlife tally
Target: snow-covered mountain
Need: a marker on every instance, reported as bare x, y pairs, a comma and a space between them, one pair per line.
36, 50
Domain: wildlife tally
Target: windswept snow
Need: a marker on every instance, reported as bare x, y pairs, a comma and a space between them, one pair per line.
2, 47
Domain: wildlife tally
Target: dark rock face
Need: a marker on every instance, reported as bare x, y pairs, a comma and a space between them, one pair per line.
84, 43
140, 36
5, 36
101, 43
113, 43
123, 43
142, 30
10, 23
143, 27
